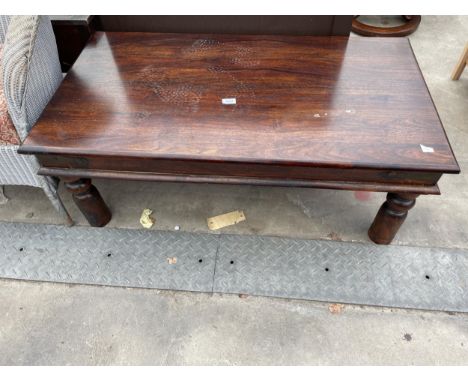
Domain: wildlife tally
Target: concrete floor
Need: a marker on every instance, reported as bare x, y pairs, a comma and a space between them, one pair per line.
58, 324
100, 325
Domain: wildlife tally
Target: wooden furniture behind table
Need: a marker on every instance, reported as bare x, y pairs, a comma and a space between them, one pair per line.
409, 26
71, 34
317, 25
324, 112
462, 62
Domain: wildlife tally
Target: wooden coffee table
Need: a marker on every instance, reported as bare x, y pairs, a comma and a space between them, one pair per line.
324, 112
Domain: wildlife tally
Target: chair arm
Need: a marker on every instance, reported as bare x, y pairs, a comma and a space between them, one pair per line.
31, 69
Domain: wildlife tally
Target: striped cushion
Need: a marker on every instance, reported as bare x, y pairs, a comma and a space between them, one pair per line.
8, 133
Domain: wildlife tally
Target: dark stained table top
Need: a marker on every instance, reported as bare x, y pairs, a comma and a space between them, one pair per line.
318, 101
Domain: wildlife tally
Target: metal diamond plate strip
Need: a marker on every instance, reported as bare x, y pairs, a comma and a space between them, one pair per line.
344, 272
307, 269
106, 256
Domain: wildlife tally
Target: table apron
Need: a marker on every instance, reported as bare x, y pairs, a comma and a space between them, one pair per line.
150, 169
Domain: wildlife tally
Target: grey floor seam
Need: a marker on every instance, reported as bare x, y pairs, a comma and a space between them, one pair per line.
393, 276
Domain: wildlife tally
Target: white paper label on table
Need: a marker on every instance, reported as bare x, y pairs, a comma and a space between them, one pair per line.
228, 101
426, 149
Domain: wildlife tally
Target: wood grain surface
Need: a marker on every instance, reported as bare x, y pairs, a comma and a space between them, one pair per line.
310, 101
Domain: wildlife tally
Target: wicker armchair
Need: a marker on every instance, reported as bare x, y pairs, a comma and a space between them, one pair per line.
29, 75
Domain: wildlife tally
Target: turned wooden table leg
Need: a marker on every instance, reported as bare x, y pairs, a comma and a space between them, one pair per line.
390, 217
89, 201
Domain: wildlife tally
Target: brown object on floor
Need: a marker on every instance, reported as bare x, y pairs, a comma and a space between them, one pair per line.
462, 62
325, 112
410, 25
336, 308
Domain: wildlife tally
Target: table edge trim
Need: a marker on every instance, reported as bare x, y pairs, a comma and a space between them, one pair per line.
336, 185
37, 150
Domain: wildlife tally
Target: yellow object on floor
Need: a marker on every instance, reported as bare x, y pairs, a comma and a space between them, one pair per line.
220, 221
146, 219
